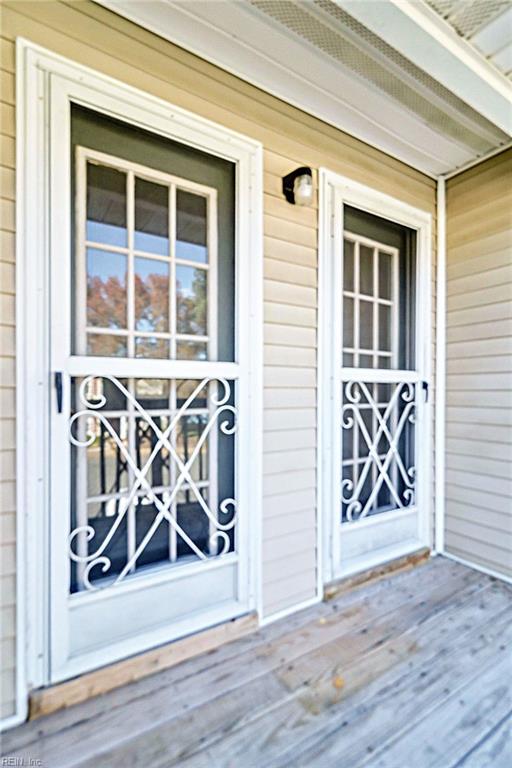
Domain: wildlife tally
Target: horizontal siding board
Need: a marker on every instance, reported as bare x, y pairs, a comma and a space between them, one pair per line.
498, 468
479, 348
277, 376
7, 87
480, 416
478, 515
7, 175
482, 382
7, 246
7, 55
294, 542
479, 330
288, 293
279, 527
285, 272
479, 531
7, 464
469, 317
486, 433
479, 297
291, 481
289, 398
479, 365
476, 497
479, 552
284, 440
482, 262
474, 446
289, 502
289, 233
488, 277
279, 354
277, 570
276, 312
469, 398
289, 335
500, 219
294, 253
280, 599
292, 418
291, 461
7, 277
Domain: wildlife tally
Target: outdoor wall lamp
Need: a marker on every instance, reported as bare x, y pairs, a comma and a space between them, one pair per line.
298, 186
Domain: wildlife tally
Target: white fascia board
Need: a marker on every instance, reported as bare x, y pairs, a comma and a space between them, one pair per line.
419, 34
229, 35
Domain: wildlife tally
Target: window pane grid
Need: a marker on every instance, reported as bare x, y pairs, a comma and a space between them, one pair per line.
370, 333
184, 275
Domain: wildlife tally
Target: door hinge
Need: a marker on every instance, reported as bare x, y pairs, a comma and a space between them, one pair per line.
57, 378
425, 387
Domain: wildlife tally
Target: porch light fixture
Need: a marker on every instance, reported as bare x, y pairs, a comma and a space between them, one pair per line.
298, 186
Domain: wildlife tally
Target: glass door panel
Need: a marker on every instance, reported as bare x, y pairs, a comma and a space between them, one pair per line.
145, 486
380, 385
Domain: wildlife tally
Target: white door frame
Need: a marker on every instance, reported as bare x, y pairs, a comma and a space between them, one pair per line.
46, 80
335, 191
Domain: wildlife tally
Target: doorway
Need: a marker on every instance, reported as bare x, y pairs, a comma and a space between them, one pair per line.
375, 371
141, 261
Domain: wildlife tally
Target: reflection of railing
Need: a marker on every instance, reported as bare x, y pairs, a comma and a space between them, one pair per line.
143, 468
381, 451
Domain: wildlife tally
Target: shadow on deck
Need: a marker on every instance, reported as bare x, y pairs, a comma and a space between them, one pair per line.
413, 670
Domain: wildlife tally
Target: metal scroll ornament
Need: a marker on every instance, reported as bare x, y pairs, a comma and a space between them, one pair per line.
221, 416
389, 428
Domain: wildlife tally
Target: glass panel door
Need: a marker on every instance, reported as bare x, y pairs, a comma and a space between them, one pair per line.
145, 451
380, 390
144, 432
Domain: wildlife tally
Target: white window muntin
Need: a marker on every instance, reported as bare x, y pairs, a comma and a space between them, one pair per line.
135, 170
106, 364
375, 300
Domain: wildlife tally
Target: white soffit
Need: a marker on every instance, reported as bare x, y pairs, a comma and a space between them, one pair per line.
329, 63
485, 24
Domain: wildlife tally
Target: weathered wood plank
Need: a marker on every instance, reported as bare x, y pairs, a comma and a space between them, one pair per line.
327, 725
382, 712
206, 707
441, 568
343, 683
48, 700
494, 750
234, 663
463, 719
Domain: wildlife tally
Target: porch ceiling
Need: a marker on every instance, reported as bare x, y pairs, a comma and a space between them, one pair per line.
394, 74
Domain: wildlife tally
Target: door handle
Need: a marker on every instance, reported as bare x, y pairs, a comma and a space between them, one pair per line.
425, 387
57, 378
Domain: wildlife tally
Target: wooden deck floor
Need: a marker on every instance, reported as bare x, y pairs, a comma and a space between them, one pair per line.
412, 671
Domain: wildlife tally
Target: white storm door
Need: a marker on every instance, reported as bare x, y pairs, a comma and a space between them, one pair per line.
375, 404
149, 419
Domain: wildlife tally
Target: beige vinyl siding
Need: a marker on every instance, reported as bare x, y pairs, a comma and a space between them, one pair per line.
7, 384
479, 365
93, 36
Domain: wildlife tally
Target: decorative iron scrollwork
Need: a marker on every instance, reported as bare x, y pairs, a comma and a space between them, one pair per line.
378, 468
221, 520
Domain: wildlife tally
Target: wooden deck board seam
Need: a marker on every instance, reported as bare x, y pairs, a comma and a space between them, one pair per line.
483, 585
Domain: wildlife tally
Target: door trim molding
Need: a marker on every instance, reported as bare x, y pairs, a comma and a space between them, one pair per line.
335, 191
40, 73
